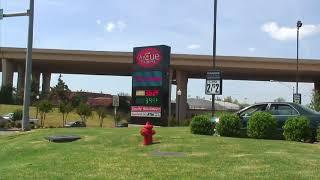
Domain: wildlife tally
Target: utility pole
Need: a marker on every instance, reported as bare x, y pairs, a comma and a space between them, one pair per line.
28, 71
299, 25
214, 49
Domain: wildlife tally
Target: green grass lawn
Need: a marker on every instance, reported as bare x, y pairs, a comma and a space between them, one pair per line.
54, 118
117, 153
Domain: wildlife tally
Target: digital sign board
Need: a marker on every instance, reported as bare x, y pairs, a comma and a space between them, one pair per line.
150, 85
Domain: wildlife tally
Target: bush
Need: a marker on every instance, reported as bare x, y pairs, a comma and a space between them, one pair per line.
6, 95
261, 125
201, 125
17, 115
229, 125
297, 129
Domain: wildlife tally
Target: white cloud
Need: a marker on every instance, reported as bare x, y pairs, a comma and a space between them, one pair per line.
121, 25
98, 21
110, 26
252, 49
193, 46
289, 33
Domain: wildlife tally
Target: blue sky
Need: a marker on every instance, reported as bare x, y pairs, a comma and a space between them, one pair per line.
245, 28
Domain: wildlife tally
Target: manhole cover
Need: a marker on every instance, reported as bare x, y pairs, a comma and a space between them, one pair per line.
168, 154
62, 138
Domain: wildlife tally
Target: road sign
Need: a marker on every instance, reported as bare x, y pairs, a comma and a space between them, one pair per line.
1, 14
297, 98
213, 83
115, 100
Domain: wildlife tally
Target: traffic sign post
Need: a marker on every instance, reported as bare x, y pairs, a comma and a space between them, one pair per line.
213, 83
115, 104
1, 14
297, 98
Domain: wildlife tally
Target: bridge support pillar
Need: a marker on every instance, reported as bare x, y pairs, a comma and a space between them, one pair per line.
35, 82
46, 78
181, 101
317, 86
7, 72
170, 88
20, 81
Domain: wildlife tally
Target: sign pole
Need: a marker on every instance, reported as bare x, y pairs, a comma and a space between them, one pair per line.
214, 49
115, 116
115, 103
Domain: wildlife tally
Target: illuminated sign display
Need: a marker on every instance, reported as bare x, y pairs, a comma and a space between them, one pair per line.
148, 101
148, 57
147, 78
150, 85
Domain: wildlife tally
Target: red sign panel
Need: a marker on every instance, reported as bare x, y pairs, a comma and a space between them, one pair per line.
148, 57
152, 93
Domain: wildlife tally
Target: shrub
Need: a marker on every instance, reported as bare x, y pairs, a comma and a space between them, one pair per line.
17, 115
6, 95
297, 129
201, 125
229, 125
261, 125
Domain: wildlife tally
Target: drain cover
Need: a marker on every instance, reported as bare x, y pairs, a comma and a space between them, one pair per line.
62, 138
173, 154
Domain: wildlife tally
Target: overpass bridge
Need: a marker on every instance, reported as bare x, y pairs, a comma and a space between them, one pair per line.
183, 66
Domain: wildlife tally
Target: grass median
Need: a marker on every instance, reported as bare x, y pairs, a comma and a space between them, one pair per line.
117, 153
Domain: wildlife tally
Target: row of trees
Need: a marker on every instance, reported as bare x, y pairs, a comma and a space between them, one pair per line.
61, 94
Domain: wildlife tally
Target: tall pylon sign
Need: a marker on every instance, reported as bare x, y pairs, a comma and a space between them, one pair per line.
150, 85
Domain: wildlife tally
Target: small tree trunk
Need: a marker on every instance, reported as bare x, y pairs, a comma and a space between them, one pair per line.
63, 123
65, 120
44, 118
101, 122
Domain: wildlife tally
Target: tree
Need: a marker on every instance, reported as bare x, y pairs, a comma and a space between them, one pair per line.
84, 111
315, 100
102, 113
6, 94
61, 91
124, 104
235, 101
65, 109
45, 107
280, 99
78, 98
228, 99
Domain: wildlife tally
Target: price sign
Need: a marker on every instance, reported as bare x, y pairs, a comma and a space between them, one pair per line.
213, 83
213, 87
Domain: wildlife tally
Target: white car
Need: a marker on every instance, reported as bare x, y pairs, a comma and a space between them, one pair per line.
3, 121
8, 116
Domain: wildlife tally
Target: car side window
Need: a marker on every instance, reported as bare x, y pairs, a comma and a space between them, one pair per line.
253, 109
282, 109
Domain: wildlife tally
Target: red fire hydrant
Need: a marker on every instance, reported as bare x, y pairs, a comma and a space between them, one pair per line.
147, 132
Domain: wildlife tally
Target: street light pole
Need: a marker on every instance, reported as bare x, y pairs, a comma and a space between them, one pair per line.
214, 49
27, 89
299, 25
